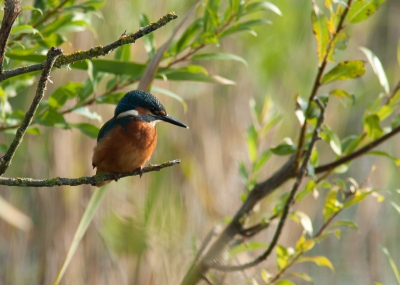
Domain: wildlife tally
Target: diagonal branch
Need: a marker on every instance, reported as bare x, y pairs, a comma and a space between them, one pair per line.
93, 180
299, 177
11, 11
5, 161
95, 51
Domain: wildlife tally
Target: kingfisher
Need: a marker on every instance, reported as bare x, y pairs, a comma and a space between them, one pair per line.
127, 141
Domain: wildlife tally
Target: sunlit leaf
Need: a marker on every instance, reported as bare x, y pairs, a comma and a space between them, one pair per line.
303, 276
308, 189
123, 53
264, 5
33, 131
332, 205
332, 138
372, 126
344, 223
344, 71
350, 143
85, 111
392, 263
218, 56
305, 221
377, 68
339, 93
32, 9
396, 121
357, 198
285, 148
338, 43
361, 10
265, 275
112, 98
318, 260
282, 256
252, 143
321, 32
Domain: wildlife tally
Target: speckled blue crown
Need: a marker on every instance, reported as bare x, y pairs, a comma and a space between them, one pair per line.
138, 98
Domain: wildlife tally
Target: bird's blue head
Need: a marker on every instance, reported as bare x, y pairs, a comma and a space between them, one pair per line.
144, 106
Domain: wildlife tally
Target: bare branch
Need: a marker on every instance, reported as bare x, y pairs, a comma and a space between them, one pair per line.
11, 11
92, 180
5, 161
95, 51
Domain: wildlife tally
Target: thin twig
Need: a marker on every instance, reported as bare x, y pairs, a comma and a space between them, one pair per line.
318, 79
92, 180
93, 52
11, 11
5, 161
300, 175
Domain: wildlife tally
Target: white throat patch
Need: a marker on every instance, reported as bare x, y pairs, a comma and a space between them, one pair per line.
128, 113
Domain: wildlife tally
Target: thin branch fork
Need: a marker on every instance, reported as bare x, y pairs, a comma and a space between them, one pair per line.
92, 180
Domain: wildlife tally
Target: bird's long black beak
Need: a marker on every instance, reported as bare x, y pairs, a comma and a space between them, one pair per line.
171, 120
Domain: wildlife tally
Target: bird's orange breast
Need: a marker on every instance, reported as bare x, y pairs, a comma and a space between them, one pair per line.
125, 149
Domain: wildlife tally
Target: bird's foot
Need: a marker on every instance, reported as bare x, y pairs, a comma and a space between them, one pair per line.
140, 169
117, 176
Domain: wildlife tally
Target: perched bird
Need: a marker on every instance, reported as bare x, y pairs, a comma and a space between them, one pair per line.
127, 141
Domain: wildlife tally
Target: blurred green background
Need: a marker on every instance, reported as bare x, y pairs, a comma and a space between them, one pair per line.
147, 230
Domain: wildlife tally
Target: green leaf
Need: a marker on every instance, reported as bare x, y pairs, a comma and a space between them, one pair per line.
332, 139
392, 263
252, 245
243, 26
185, 75
84, 111
63, 93
252, 143
318, 260
112, 98
344, 223
332, 205
377, 68
170, 94
188, 36
303, 276
210, 18
23, 29
344, 71
308, 189
123, 53
397, 207
282, 257
87, 129
243, 171
357, 198
285, 148
87, 217
33, 9
339, 93
33, 130
148, 39
363, 9
385, 154
321, 32
338, 43
52, 118
264, 5
350, 143
372, 126
218, 56
262, 160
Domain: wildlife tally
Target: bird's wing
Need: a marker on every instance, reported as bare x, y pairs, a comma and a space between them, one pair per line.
106, 128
